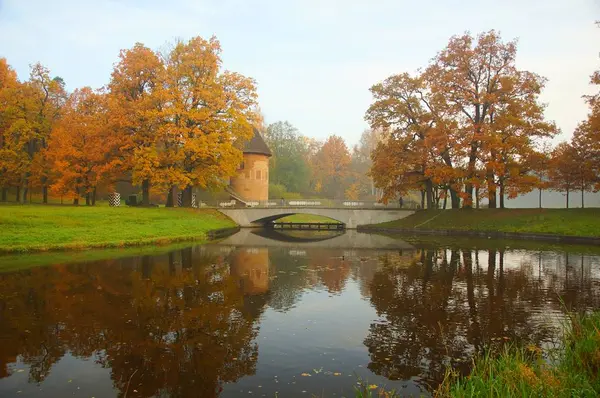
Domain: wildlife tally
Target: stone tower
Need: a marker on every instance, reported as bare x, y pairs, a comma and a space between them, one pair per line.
252, 181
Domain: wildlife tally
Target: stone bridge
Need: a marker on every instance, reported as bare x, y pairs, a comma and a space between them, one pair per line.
351, 217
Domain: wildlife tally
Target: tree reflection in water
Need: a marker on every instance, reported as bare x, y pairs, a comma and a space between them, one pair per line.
171, 325
440, 308
186, 323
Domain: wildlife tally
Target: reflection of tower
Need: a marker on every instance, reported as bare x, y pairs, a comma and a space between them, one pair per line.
251, 267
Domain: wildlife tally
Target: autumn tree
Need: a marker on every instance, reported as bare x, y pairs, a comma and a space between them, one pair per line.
209, 113
331, 167
135, 103
30, 111
418, 149
78, 148
494, 104
9, 154
587, 137
564, 169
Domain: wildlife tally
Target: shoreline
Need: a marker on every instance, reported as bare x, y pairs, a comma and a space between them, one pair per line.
205, 237
38, 229
588, 240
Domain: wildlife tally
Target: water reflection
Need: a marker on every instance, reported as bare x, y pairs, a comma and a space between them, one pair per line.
253, 314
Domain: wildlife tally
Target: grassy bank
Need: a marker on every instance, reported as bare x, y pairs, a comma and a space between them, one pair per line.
571, 371
39, 228
567, 222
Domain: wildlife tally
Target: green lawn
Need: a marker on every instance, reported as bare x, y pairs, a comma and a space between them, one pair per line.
38, 228
571, 222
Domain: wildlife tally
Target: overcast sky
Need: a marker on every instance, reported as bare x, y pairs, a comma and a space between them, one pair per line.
314, 61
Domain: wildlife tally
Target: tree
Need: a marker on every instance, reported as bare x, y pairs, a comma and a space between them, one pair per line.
78, 147
564, 169
586, 139
289, 164
494, 104
418, 149
209, 113
134, 87
363, 184
331, 168
30, 111
9, 154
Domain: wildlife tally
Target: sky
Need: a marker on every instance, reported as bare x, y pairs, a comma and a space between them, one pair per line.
314, 61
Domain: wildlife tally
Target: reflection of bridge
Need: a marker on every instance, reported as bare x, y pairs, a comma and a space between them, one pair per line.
350, 216
348, 240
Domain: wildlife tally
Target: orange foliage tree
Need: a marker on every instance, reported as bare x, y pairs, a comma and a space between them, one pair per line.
78, 147
30, 110
9, 155
332, 166
134, 112
208, 113
469, 120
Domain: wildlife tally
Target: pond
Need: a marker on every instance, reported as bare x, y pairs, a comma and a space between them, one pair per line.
264, 313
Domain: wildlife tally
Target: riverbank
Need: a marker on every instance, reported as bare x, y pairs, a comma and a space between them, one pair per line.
565, 225
31, 228
570, 371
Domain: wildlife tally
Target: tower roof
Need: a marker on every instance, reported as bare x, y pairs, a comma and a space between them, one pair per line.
257, 145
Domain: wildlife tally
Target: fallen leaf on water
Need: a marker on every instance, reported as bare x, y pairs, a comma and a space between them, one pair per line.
305, 374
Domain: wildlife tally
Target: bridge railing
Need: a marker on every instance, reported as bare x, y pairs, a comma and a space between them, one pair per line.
309, 203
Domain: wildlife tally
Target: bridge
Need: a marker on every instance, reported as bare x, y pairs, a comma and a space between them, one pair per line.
350, 240
350, 213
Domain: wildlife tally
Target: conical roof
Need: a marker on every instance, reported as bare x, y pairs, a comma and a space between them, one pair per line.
257, 145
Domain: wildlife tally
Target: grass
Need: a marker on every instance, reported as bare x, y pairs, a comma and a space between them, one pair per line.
571, 371
28, 228
567, 222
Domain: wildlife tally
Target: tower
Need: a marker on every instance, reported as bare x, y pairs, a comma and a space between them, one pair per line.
252, 180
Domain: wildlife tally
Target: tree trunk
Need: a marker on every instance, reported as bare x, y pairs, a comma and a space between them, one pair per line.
429, 194
468, 201
540, 197
94, 197
4, 194
18, 194
87, 198
567, 198
186, 197
146, 192
455, 199
491, 185
45, 194
445, 199
170, 199
502, 195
